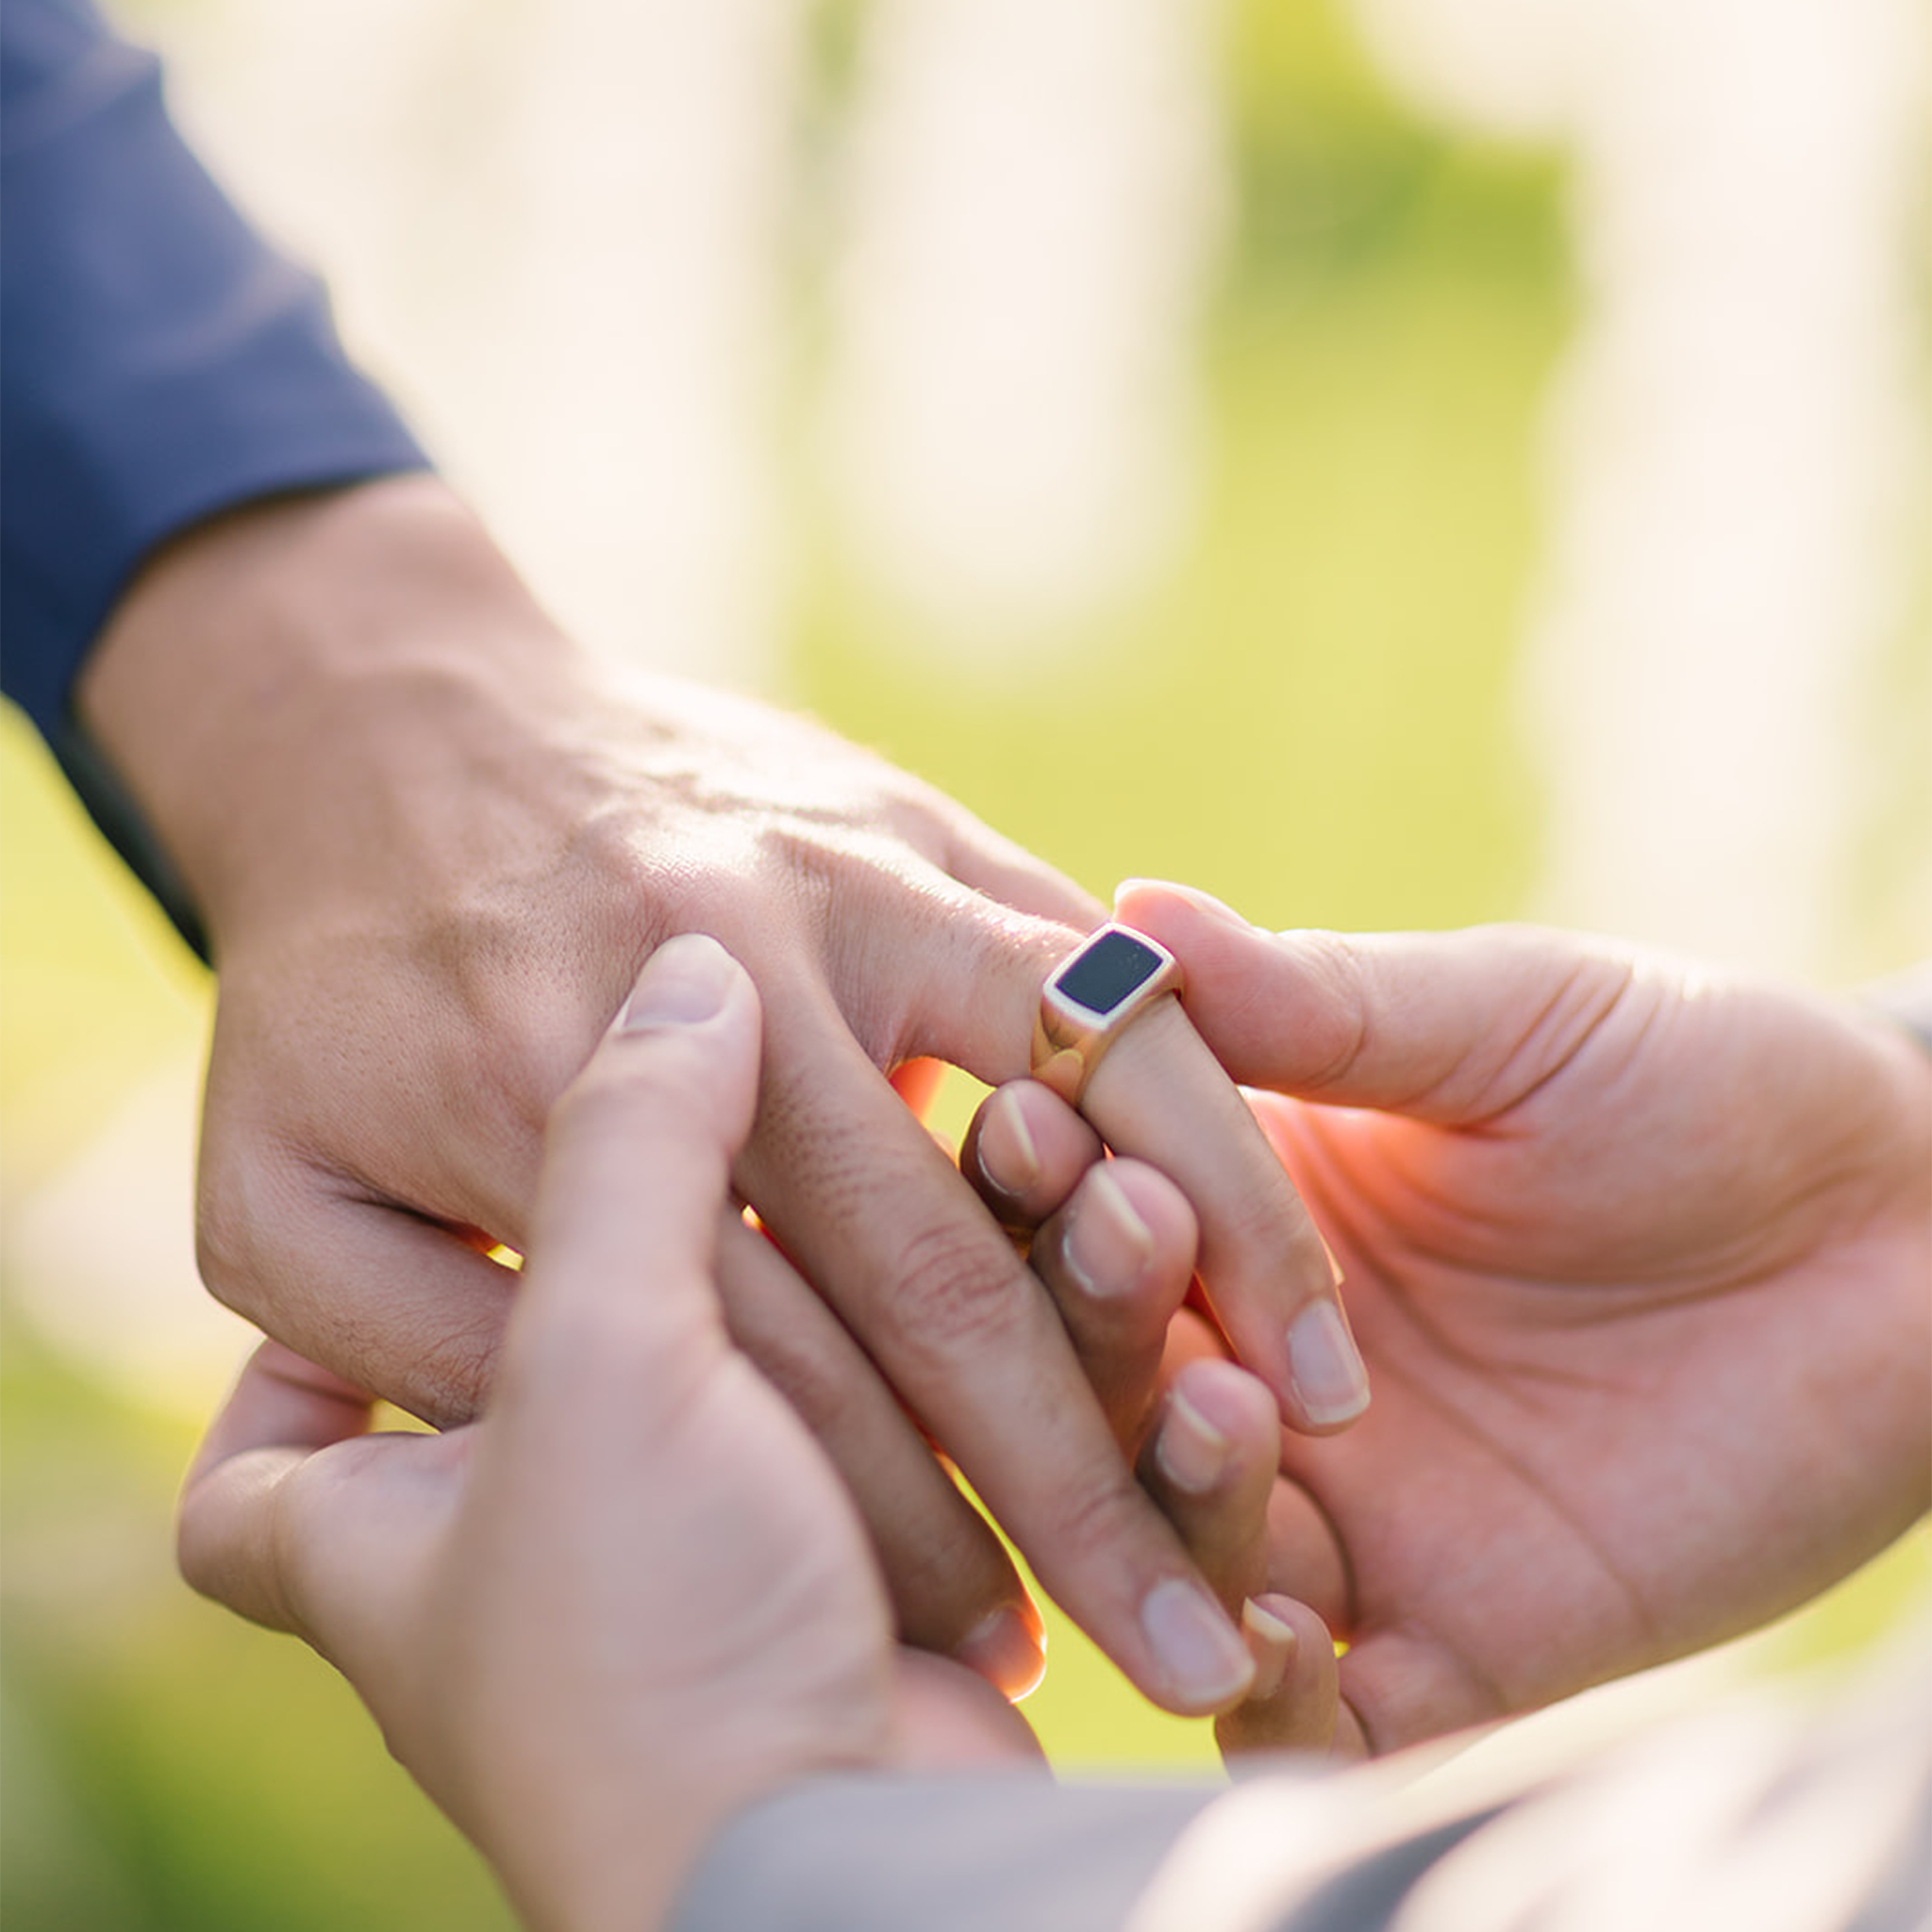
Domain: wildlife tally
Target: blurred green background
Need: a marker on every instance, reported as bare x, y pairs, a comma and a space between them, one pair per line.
1312, 717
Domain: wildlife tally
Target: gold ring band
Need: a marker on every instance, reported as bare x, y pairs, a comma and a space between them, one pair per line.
1089, 999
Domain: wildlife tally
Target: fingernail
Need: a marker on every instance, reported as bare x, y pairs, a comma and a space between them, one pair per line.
1329, 1381
1201, 902
1107, 1246
686, 980
1271, 1645
1007, 1156
1190, 1451
1207, 1666
1005, 1650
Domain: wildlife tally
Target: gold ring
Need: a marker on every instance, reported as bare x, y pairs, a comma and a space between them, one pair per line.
1089, 1000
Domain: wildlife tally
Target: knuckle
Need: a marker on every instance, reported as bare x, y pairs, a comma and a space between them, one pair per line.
451, 1380
1100, 1515
1342, 978
231, 1211
951, 1291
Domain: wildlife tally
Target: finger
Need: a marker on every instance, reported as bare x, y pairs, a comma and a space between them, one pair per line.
282, 1410
1024, 1151
954, 1589
1118, 1260
1159, 1095
1447, 1027
881, 1221
993, 865
1209, 1462
1296, 1703
636, 1175
1304, 1559
281, 1401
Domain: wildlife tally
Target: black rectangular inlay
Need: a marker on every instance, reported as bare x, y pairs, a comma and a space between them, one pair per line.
1107, 971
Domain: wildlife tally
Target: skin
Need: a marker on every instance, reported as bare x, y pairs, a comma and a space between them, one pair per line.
433, 843
1637, 1256
537, 1607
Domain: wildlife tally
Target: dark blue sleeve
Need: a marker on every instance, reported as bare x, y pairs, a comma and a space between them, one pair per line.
158, 361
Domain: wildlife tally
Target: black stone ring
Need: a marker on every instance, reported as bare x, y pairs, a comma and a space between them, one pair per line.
1089, 1000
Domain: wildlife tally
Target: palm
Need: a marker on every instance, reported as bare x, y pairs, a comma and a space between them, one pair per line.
1567, 1472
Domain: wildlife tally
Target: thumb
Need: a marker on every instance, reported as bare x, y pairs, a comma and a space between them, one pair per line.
1451, 1027
637, 1169
227, 1541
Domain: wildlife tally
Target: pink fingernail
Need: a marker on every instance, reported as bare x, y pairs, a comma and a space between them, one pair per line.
1272, 1642
1109, 1245
1190, 1451
1207, 1664
687, 980
1008, 1158
1329, 1381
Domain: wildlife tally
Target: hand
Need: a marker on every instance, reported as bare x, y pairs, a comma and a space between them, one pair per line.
433, 845
539, 1608
1639, 1257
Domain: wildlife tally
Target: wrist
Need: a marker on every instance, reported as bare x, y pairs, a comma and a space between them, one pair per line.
268, 668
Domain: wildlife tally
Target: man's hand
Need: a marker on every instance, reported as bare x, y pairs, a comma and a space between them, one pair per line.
1639, 1258
433, 845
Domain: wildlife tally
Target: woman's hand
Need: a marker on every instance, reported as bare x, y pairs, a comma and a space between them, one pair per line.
1639, 1257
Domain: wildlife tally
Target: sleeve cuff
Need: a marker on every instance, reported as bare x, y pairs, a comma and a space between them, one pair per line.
159, 362
945, 1852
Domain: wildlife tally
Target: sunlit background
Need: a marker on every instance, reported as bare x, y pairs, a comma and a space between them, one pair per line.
1398, 463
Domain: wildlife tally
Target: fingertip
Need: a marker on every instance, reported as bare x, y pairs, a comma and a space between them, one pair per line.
688, 980
1007, 1151
692, 1021
1008, 1649
1328, 1381
1190, 1449
1235, 1399
1272, 1642
282, 1410
1172, 1228
1202, 1659
1219, 1419
1295, 1702
1025, 1152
